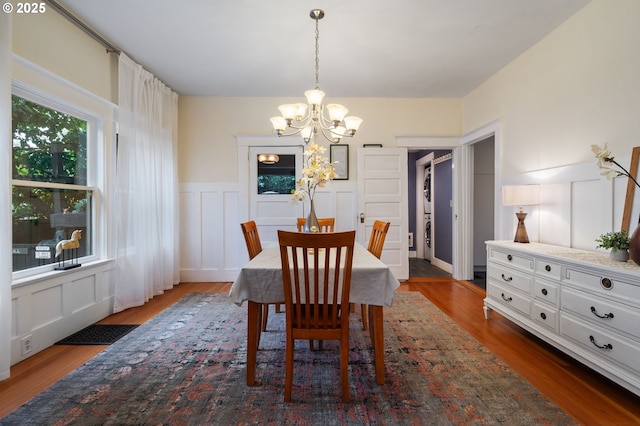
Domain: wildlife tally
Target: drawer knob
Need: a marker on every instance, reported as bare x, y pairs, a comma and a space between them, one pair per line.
544, 291
605, 316
507, 279
507, 299
547, 268
607, 347
509, 257
543, 315
606, 283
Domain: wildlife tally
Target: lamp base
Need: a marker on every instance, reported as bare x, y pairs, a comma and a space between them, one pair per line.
521, 231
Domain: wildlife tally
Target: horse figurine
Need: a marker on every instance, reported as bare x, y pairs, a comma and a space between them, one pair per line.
73, 243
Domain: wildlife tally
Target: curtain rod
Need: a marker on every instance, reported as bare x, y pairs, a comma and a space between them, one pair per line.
84, 27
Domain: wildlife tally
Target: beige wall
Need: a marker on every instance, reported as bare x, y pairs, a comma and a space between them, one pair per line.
52, 42
207, 125
579, 86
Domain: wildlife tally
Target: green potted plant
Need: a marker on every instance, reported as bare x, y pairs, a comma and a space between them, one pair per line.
618, 242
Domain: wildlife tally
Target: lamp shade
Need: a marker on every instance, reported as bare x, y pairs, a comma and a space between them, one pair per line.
520, 195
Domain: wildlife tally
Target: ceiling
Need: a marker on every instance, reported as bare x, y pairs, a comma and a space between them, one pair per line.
368, 48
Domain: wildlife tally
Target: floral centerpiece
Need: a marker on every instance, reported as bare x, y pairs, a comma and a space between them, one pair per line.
316, 172
606, 164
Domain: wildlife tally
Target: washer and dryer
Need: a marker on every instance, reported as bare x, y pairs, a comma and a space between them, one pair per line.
427, 212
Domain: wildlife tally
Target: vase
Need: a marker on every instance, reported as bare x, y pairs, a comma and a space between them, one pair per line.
634, 246
311, 225
620, 255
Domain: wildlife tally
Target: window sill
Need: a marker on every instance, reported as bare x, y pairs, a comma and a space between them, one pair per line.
21, 282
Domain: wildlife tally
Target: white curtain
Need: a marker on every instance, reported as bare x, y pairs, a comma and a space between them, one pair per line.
147, 188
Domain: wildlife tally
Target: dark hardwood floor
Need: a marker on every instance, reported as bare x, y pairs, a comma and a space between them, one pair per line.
587, 396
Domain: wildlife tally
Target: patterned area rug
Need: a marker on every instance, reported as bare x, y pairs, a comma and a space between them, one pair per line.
186, 366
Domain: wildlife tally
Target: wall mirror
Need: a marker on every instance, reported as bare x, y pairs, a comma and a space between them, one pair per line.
630, 223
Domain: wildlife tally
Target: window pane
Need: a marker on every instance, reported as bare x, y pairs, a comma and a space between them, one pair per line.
48, 145
279, 177
42, 217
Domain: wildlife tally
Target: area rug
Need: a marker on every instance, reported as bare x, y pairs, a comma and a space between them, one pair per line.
187, 366
98, 334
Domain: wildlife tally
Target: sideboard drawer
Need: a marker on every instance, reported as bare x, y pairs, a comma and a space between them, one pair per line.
547, 269
546, 291
514, 260
511, 278
602, 312
545, 315
509, 298
601, 342
603, 284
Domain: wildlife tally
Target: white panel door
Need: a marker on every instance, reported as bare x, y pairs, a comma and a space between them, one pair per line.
383, 195
272, 211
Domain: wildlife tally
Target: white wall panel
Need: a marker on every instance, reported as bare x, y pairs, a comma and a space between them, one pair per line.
589, 219
80, 294
211, 232
47, 306
190, 212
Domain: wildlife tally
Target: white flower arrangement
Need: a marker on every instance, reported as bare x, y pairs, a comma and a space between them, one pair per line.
317, 171
606, 161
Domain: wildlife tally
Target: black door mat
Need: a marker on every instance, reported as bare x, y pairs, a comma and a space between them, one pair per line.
98, 334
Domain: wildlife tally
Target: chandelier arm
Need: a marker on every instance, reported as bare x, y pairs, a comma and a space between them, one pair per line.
297, 131
330, 136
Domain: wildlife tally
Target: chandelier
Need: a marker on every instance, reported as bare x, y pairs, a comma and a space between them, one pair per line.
310, 119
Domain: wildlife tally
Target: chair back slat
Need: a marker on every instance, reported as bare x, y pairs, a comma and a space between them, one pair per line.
326, 224
378, 235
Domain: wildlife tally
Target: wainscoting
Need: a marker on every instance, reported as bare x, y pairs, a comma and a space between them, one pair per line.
212, 248
55, 305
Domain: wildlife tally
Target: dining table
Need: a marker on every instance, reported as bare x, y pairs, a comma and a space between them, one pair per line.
260, 282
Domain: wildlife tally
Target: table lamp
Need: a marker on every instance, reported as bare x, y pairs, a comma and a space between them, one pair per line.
521, 195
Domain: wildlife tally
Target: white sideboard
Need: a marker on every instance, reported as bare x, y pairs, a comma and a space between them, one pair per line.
581, 302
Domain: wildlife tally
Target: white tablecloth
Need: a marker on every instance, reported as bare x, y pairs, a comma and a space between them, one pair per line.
260, 280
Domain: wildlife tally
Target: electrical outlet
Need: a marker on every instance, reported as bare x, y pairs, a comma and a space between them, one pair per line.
410, 239
27, 346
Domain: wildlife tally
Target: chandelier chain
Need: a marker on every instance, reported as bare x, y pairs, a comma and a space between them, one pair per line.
317, 56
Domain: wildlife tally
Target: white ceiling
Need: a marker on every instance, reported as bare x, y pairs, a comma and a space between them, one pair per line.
368, 48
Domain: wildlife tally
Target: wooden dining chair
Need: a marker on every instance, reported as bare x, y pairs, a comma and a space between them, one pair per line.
326, 223
376, 243
254, 247
316, 294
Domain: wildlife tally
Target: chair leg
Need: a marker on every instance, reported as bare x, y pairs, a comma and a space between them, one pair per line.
278, 308
265, 316
288, 375
365, 318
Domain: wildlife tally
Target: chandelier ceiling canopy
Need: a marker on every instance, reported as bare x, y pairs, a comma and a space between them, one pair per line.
311, 118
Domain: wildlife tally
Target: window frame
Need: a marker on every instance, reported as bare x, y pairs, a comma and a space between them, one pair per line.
95, 145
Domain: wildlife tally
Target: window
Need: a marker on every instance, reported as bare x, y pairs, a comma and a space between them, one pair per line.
278, 177
50, 176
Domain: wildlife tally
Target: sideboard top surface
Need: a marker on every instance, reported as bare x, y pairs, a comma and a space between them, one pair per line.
576, 256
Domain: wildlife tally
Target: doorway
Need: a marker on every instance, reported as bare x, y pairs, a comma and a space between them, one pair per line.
483, 153
475, 182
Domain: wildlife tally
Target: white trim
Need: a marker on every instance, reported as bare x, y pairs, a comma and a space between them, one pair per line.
463, 199
45, 74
